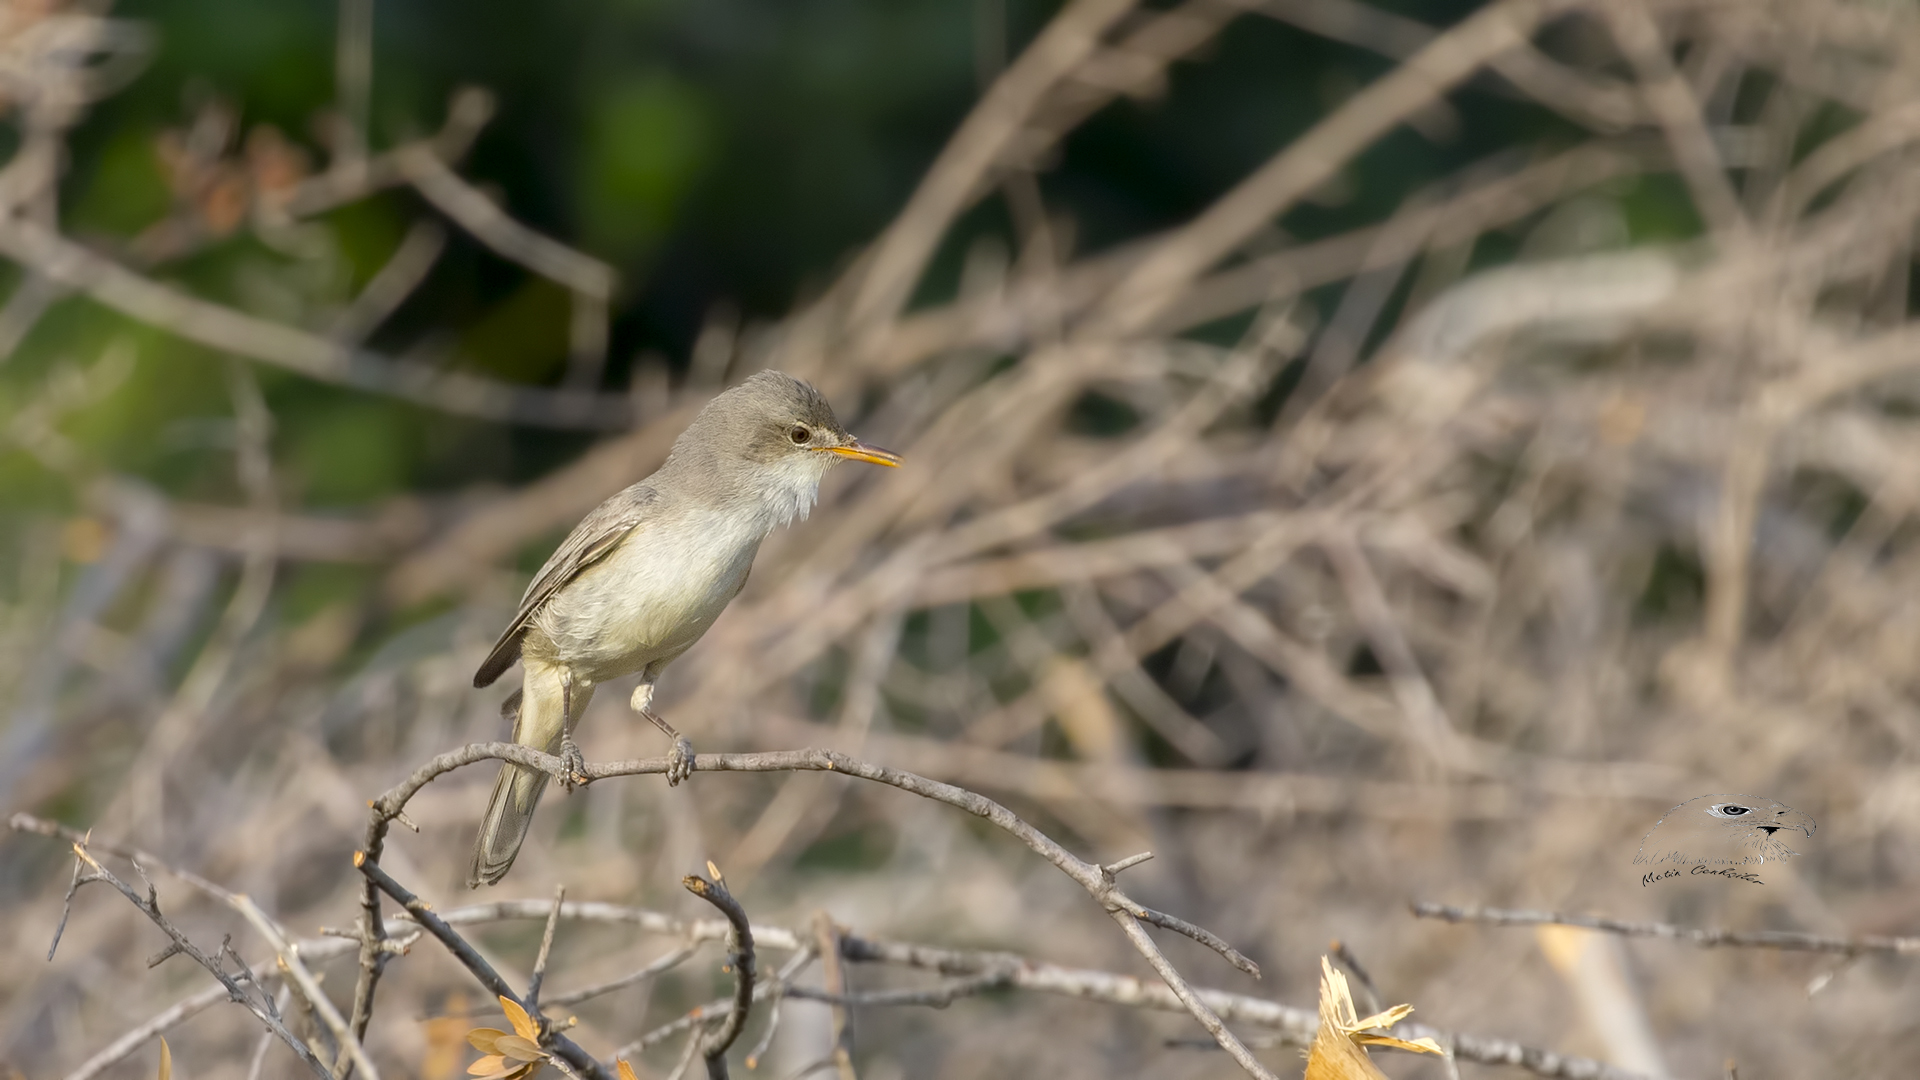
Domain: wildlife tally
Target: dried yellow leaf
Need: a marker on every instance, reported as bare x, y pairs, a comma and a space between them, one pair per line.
491, 1065
626, 1071
517, 1048
166, 1060
1421, 1045
482, 1039
523, 1025
1339, 1047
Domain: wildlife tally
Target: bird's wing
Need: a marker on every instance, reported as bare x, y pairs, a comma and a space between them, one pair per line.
597, 534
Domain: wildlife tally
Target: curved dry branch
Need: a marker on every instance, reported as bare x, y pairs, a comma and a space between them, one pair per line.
1092, 877
740, 958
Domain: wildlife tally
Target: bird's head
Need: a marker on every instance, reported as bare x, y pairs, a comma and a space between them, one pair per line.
770, 439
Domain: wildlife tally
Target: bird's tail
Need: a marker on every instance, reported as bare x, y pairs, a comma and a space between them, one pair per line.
504, 828
540, 724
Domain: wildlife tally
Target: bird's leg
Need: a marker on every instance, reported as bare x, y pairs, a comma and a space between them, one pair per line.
680, 761
573, 764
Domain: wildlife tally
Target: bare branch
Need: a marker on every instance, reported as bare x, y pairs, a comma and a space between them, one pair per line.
1202, 935
229, 330
124, 1046
296, 969
473, 962
665, 963
479, 215
894, 266
826, 938
938, 997
546, 945
148, 906
1672, 101
713, 1011
1309, 160
740, 957
468, 111
390, 286
1702, 936
1090, 876
286, 953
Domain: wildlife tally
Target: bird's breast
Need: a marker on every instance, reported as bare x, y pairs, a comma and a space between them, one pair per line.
651, 597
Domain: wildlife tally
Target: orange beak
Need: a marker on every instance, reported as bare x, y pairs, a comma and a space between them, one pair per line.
860, 451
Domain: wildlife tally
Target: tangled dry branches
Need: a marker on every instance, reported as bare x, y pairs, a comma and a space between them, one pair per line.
1434, 557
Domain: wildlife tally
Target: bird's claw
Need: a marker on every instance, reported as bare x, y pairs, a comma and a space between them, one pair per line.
573, 765
680, 762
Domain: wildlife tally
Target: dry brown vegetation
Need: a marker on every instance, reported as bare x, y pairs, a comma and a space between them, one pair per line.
1443, 589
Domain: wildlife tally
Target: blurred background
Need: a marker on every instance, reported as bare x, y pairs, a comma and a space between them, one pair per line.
1359, 451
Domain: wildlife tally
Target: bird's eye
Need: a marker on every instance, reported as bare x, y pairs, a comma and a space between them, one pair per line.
1733, 810
800, 434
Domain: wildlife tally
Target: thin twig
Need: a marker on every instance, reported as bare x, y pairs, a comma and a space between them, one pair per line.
296, 970
468, 110
687, 1054
826, 938
1368, 990
546, 945
665, 963
479, 215
472, 961
390, 286
230, 330
774, 989
740, 957
149, 906
1701, 936
938, 997
1310, 159
955, 177
1200, 934
66, 905
265, 1042
165, 1020
706, 1014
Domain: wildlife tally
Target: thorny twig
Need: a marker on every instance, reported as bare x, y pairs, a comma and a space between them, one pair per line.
287, 954
241, 990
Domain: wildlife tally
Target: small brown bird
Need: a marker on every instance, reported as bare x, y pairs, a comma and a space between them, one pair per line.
647, 572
